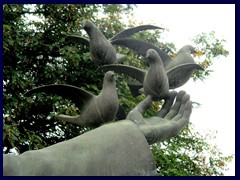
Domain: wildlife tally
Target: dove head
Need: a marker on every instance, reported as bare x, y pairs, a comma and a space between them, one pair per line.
109, 76
187, 49
153, 56
87, 25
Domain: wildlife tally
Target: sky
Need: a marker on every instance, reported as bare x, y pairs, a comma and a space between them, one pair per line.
217, 93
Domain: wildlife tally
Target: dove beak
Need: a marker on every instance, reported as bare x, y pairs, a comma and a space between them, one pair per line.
198, 53
147, 55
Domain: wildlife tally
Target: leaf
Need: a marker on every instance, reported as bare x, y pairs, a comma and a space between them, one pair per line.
198, 53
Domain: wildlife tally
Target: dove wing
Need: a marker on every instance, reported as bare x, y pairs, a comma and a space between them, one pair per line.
131, 71
78, 39
79, 96
141, 48
134, 88
128, 32
179, 75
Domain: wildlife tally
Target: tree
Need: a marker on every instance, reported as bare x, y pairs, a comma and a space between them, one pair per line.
36, 53
190, 154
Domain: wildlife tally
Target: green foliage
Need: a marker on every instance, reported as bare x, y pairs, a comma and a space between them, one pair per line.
210, 48
36, 53
189, 154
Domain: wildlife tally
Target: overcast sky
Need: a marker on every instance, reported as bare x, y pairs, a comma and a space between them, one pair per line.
216, 94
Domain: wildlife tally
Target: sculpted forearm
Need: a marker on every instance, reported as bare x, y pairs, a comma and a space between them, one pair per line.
107, 150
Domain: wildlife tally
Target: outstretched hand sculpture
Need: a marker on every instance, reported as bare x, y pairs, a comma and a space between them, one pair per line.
122, 147
119, 148
169, 120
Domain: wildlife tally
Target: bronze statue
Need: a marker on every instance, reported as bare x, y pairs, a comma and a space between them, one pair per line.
121, 147
179, 70
96, 110
101, 49
169, 120
114, 149
155, 80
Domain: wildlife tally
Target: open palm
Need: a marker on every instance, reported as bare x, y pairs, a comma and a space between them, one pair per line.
169, 120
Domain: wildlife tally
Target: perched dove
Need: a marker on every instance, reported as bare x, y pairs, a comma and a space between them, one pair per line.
182, 67
154, 81
179, 70
96, 110
101, 50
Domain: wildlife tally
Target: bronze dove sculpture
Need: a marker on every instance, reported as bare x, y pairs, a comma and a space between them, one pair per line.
154, 81
183, 57
96, 110
101, 50
179, 70
182, 67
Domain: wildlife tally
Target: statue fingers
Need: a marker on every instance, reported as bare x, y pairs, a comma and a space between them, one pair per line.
175, 108
180, 123
135, 116
167, 104
145, 104
182, 108
188, 110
